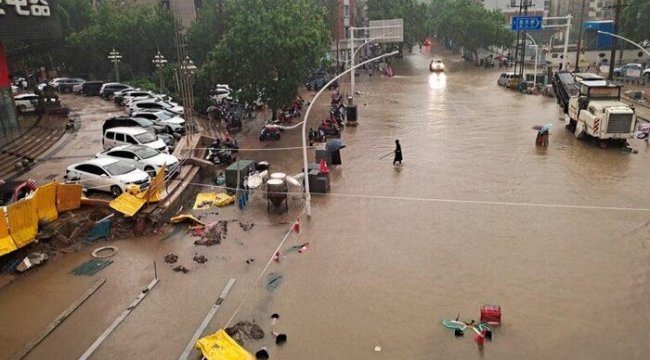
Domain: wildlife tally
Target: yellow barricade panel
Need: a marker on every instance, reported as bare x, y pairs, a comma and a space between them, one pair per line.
6, 243
127, 204
220, 346
68, 197
23, 222
45, 202
154, 194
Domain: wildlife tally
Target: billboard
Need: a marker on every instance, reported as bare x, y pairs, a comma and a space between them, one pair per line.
387, 31
29, 19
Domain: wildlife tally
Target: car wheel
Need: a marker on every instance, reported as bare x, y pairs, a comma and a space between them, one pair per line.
276, 136
151, 171
647, 79
21, 108
261, 138
116, 190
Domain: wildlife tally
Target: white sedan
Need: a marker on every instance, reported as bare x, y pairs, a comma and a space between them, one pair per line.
26, 102
436, 65
155, 104
144, 158
107, 174
173, 122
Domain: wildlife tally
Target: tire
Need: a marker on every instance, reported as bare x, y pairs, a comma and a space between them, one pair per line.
276, 136
151, 171
261, 138
116, 191
21, 108
170, 130
647, 79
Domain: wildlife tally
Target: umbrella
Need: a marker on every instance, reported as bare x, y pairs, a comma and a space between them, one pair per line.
334, 145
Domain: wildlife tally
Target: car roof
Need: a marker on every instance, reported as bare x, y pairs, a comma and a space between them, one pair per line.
132, 130
103, 161
130, 147
24, 95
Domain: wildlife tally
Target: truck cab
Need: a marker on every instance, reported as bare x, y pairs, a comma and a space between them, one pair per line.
596, 111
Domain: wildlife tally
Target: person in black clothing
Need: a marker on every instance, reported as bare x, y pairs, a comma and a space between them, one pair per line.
398, 153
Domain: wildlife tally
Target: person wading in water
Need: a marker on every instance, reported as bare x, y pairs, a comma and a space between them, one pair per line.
398, 153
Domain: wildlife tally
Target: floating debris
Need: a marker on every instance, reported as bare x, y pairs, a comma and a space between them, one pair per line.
181, 268
273, 281
171, 258
200, 259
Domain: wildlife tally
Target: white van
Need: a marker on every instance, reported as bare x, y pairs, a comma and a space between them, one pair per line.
509, 79
119, 136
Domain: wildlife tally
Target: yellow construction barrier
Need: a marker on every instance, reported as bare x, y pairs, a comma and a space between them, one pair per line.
208, 200
23, 222
184, 217
154, 193
6, 243
68, 197
220, 346
127, 204
45, 202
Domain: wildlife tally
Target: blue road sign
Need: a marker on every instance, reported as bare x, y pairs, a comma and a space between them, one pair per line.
526, 23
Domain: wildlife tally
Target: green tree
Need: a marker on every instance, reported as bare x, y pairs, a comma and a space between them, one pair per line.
469, 24
208, 28
417, 24
635, 18
269, 49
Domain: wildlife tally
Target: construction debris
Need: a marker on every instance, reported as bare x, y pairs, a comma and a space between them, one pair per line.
181, 268
171, 258
200, 259
245, 330
246, 225
31, 260
213, 234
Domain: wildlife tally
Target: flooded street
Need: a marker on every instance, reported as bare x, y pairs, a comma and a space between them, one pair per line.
475, 215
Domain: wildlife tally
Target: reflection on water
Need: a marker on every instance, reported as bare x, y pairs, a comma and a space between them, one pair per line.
437, 81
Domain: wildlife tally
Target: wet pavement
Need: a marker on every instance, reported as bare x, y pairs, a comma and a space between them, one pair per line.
476, 214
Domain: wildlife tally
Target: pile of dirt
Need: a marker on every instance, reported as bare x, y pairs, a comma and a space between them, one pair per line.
213, 234
245, 330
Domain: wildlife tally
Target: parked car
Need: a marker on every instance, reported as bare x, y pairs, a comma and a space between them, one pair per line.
155, 104
120, 136
57, 81
509, 79
119, 96
67, 86
137, 96
108, 89
629, 70
646, 75
91, 88
318, 80
108, 175
173, 122
26, 102
220, 93
126, 121
144, 158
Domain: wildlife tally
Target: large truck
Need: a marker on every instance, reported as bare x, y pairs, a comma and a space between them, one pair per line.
598, 113
565, 86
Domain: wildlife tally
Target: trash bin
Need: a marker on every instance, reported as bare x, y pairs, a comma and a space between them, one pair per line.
351, 114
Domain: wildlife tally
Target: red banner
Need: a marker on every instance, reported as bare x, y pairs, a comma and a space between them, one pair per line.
4, 69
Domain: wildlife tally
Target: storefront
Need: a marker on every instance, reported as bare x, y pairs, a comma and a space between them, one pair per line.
21, 20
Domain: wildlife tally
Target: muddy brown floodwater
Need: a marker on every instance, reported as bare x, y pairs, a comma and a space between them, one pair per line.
476, 215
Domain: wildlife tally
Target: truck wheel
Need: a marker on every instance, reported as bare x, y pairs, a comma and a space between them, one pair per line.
647, 79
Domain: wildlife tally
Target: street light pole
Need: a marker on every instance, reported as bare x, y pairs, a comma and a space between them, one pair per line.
114, 56
160, 61
626, 39
582, 19
188, 68
536, 58
354, 54
304, 126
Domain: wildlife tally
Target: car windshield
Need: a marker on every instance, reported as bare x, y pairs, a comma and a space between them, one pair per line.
144, 122
145, 152
119, 168
145, 137
163, 115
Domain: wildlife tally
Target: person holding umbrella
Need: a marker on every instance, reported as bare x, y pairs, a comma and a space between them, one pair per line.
398, 153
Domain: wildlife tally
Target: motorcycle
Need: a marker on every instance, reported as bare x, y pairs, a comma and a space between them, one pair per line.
316, 135
270, 132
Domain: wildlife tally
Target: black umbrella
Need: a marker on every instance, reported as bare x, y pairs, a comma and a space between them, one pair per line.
334, 145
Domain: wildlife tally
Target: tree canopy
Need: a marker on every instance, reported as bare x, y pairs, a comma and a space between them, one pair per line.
268, 53
635, 18
207, 30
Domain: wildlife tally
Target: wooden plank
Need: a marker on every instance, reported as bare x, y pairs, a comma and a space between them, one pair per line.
59, 319
118, 321
206, 320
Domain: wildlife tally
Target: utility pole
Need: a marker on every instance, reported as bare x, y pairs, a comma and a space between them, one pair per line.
335, 19
582, 19
612, 57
